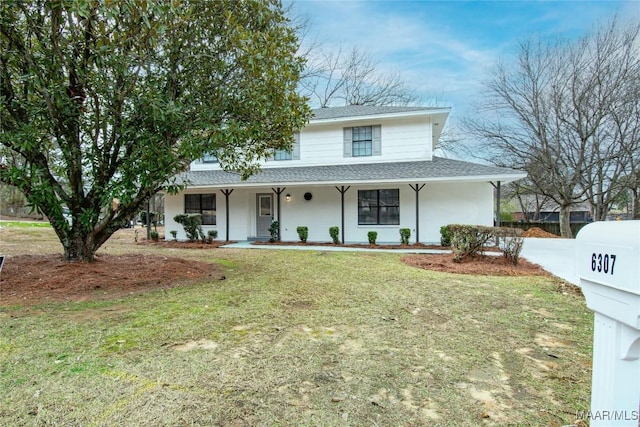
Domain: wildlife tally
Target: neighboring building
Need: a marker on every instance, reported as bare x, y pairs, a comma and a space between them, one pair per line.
362, 168
542, 209
554, 216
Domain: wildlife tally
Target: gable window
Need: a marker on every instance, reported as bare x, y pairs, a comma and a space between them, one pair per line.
204, 204
362, 141
379, 207
294, 154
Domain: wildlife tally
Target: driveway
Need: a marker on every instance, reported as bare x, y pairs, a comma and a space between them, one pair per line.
554, 255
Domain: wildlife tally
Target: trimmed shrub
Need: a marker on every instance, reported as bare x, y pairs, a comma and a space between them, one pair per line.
211, 235
510, 242
468, 240
372, 236
445, 236
154, 236
273, 231
174, 234
303, 233
192, 224
334, 232
405, 234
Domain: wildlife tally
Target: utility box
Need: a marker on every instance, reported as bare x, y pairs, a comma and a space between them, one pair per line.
608, 265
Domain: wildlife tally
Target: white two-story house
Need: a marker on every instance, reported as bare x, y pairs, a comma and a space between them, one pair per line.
361, 168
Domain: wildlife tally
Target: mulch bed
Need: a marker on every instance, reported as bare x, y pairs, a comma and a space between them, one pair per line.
38, 279
186, 245
484, 265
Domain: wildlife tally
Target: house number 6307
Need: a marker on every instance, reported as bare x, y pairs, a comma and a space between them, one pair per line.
603, 263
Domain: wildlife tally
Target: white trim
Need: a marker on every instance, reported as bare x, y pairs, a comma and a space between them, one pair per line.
380, 116
472, 178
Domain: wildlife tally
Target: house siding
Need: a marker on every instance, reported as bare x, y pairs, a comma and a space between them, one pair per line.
449, 203
402, 139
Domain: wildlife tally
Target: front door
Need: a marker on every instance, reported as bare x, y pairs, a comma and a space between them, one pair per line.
264, 203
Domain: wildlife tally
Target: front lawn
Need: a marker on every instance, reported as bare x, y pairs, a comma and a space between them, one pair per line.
297, 338
24, 224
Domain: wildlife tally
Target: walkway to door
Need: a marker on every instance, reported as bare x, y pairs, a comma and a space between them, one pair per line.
248, 245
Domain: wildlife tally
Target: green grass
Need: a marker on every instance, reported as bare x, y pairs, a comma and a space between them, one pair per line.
24, 224
302, 338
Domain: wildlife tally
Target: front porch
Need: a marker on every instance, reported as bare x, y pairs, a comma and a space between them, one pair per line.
243, 213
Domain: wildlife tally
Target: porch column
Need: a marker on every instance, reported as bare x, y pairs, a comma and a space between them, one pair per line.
278, 192
417, 189
497, 210
342, 190
226, 208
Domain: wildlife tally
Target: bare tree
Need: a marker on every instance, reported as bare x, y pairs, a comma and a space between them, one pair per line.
614, 86
322, 78
339, 77
626, 124
553, 114
530, 202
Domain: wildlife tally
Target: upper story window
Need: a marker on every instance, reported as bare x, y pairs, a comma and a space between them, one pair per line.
282, 155
294, 154
362, 141
204, 204
379, 207
209, 158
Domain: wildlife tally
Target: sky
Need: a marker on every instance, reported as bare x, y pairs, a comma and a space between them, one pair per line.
444, 49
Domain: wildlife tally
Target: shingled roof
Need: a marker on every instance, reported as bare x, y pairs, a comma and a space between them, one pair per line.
438, 169
364, 110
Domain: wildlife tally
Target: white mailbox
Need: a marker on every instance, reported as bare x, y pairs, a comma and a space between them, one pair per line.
608, 265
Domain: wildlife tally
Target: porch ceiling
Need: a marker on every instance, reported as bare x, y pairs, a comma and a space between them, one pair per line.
437, 170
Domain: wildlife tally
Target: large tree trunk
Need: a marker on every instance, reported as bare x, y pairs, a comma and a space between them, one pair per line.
82, 244
79, 248
565, 221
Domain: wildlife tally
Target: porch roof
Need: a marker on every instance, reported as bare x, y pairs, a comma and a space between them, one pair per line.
437, 170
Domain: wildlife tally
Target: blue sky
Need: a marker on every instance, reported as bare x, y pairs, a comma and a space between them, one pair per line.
445, 48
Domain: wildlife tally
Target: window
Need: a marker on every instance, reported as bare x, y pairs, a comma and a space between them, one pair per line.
379, 207
363, 141
209, 158
204, 204
282, 155
294, 154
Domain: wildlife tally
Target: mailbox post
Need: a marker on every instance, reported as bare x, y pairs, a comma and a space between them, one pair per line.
608, 265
